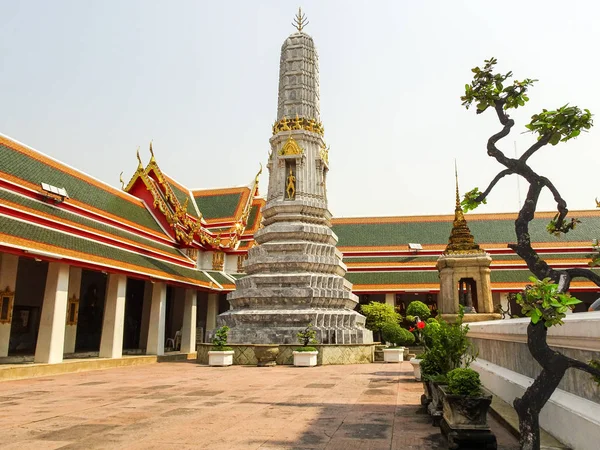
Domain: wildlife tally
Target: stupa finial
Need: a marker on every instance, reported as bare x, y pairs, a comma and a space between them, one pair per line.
300, 21
461, 240
456, 177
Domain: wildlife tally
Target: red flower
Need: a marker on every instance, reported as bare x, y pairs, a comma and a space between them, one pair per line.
421, 325
411, 329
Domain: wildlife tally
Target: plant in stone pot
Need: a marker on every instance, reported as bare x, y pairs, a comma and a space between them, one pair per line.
466, 404
397, 337
306, 356
220, 354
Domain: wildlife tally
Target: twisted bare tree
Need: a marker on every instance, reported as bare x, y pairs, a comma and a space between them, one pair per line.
546, 301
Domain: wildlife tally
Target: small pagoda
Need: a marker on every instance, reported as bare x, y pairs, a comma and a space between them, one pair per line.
464, 270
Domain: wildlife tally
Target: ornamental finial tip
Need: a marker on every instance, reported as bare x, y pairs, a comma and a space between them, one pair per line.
300, 21
456, 178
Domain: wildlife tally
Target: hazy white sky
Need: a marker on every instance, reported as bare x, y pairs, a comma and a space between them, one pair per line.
87, 82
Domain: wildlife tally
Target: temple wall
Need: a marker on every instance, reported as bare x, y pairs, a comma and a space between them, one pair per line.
507, 368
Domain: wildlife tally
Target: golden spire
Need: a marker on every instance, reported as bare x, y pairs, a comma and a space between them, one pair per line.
140, 165
152, 153
300, 21
461, 240
122, 182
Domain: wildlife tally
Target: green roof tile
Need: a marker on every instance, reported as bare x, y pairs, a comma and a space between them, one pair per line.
35, 171
402, 277
485, 231
217, 206
69, 242
219, 277
66, 215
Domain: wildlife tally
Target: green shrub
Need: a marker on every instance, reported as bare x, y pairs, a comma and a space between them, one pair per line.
378, 314
307, 336
418, 309
220, 340
409, 338
396, 335
306, 348
463, 381
430, 365
429, 332
432, 320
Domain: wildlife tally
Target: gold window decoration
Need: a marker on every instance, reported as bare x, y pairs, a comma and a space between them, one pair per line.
72, 310
240, 262
218, 260
7, 298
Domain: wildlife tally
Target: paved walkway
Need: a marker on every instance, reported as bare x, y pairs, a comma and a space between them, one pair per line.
188, 406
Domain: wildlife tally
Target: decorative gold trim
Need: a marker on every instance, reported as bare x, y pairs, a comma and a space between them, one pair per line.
7, 296
290, 147
324, 152
73, 306
240, 262
218, 261
299, 123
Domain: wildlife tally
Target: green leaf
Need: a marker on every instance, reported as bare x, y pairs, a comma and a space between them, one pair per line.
555, 139
536, 315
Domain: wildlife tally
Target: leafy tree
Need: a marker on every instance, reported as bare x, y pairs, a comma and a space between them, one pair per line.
545, 302
378, 314
418, 309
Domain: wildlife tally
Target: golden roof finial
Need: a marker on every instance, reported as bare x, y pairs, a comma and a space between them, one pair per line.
122, 182
137, 153
300, 21
597, 203
151, 152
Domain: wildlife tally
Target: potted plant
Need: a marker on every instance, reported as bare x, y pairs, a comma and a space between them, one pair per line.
306, 356
397, 337
465, 404
220, 354
416, 362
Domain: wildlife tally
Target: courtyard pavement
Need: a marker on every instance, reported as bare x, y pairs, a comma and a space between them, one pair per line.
188, 406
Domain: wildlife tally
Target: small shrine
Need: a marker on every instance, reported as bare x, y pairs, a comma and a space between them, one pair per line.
464, 270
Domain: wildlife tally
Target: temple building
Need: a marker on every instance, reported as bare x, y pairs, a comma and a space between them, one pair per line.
146, 269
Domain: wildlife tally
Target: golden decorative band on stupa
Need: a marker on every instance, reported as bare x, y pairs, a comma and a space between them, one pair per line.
299, 123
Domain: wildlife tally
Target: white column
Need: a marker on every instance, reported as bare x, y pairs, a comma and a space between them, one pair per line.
8, 280
188, 330
74, 291
51, 335
390, 299
212, 311
156, 327
111, 342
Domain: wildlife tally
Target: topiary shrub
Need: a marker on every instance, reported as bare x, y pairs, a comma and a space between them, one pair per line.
378, 314
392, 332
220, 340
408, 338
463, 381
418, 309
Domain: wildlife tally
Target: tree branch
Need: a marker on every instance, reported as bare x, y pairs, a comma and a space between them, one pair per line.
580, 272
485, 193
534, 148
576, 364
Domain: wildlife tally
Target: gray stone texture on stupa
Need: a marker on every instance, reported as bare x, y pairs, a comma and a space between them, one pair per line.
298, 78
295, 275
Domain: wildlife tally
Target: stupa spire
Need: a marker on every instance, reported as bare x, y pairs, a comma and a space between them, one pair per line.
300, 21
461, 240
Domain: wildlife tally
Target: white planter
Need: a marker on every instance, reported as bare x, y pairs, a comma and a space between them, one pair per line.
393, 355
416, 363
220, 358
305, 359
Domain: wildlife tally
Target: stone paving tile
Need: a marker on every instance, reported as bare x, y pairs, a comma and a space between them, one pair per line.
188, 406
